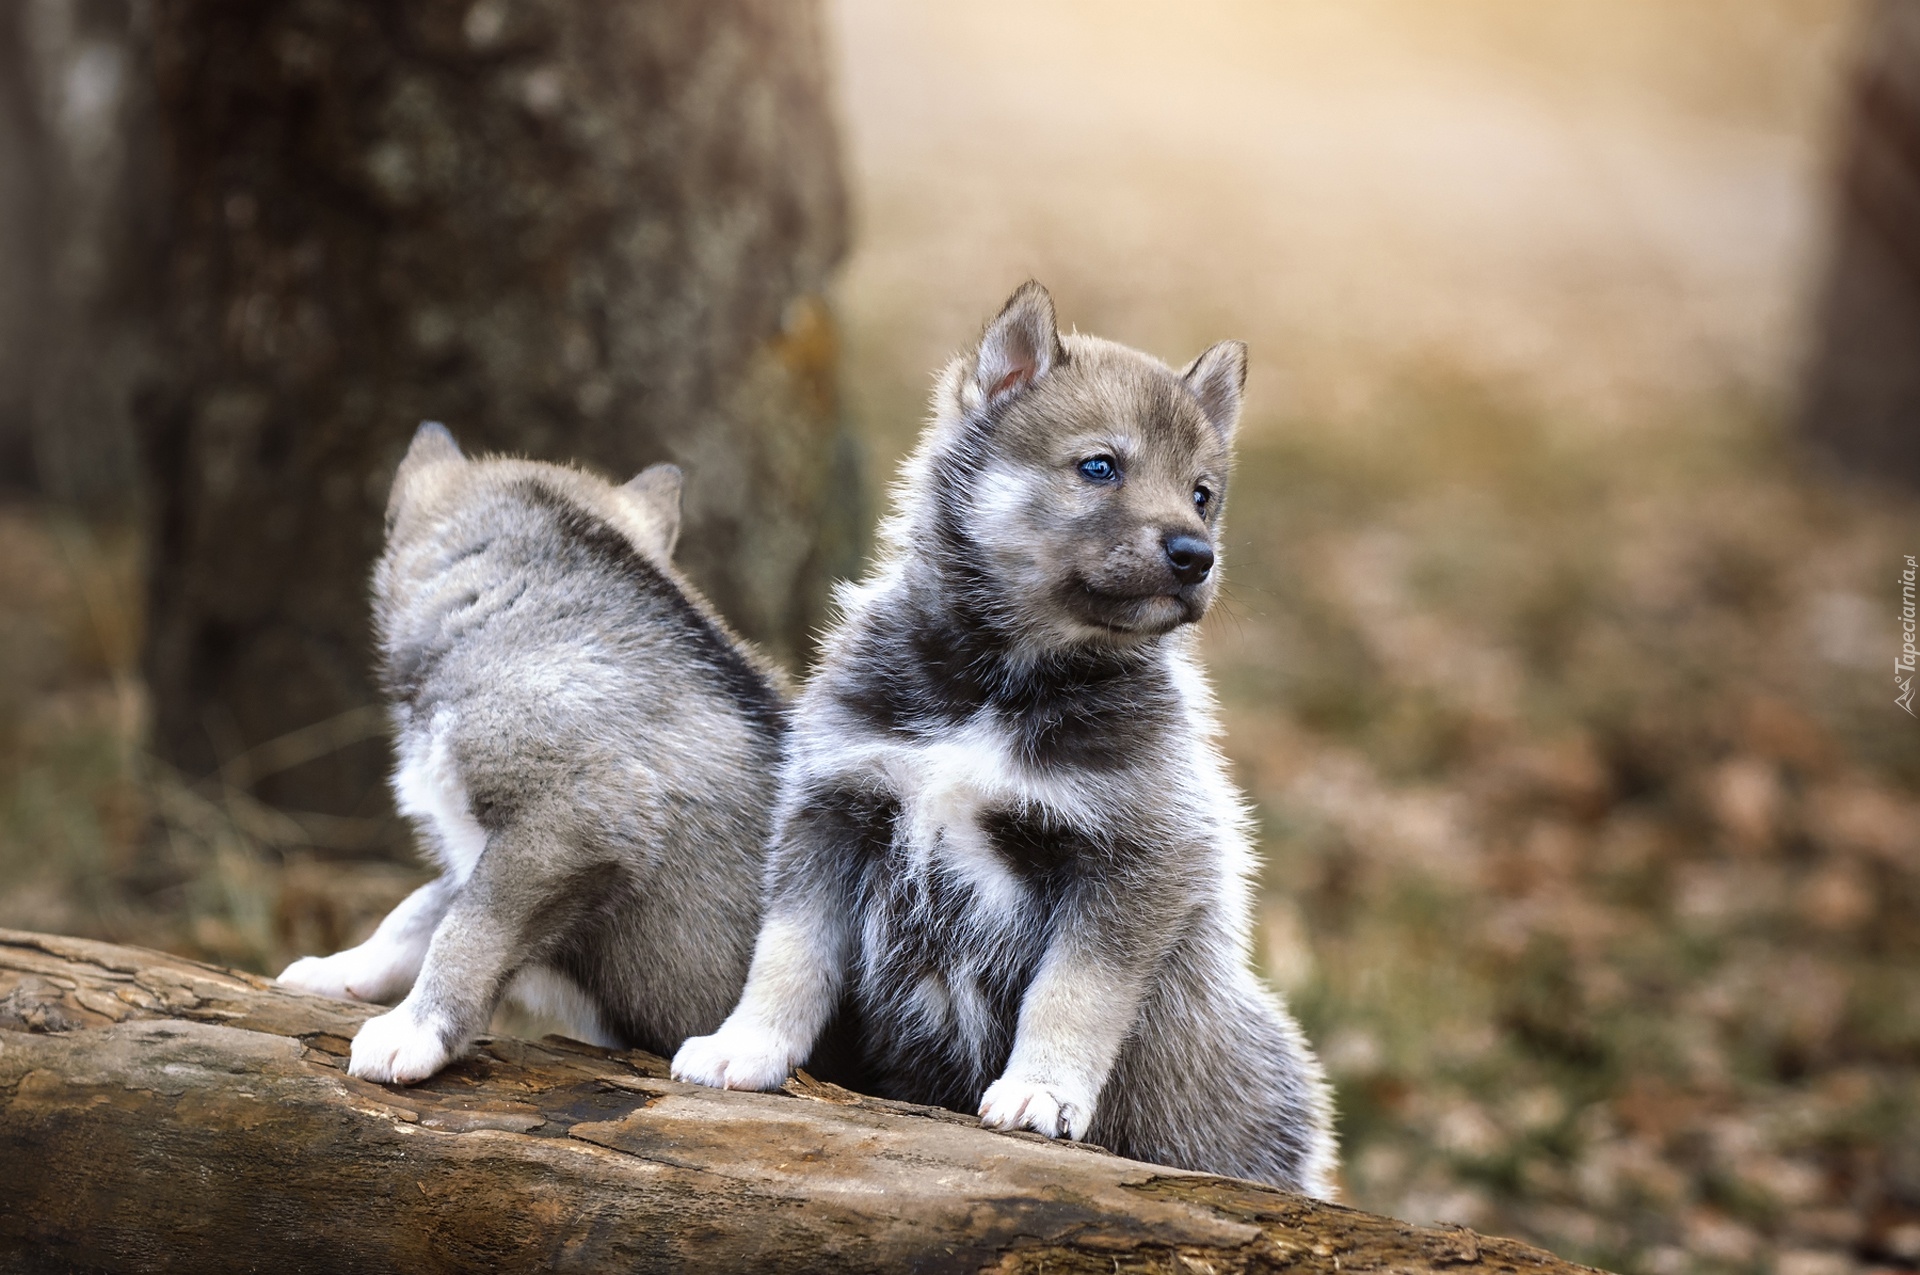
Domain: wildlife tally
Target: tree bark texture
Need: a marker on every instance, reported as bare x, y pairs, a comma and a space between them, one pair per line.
161, 1114
1863, 392
570, 229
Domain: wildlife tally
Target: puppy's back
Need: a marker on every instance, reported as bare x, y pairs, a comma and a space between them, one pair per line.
548, 665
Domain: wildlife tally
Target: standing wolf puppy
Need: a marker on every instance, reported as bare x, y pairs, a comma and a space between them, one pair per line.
1007, 858
586, 751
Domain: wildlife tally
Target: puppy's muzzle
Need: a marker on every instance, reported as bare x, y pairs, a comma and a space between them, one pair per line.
1190, 557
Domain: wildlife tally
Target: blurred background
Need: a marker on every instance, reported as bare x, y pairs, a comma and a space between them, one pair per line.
1563, 576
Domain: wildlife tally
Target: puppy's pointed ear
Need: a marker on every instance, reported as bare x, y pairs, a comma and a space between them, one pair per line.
1020, 346
432, 444
1217, 378
657, 489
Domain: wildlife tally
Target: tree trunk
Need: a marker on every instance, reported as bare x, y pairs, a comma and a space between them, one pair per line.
161, 1114
1862, 402
77, 248
573, 229
20, 251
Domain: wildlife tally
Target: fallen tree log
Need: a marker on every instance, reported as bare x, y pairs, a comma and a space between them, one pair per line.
157, 1113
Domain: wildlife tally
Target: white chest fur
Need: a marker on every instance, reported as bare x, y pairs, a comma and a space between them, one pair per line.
946, 787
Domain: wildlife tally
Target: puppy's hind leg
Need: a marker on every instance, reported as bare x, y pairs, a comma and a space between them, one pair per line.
1218, 1078
526, 891
384, 967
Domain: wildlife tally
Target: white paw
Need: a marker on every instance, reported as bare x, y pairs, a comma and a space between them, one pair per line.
397, 1048
735, 1057
323, 975
345, 976
1049, 1107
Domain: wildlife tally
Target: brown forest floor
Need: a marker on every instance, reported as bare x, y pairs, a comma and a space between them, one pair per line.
1593, 830
1594, 851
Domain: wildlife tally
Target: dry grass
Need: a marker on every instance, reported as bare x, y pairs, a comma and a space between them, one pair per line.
98, 838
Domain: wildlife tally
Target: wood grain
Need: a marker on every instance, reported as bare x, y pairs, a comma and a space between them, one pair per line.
161, 1114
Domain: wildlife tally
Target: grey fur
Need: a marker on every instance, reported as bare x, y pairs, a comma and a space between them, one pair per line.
586, 751
1009, 871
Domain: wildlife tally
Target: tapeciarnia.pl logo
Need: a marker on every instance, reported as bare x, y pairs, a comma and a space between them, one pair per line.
1904, 663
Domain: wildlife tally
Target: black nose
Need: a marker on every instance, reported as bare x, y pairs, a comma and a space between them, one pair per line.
1190, 557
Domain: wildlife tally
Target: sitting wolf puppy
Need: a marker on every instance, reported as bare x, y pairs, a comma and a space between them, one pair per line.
586, 751
1007, 858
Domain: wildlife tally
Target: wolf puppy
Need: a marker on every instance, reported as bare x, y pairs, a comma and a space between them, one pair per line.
1007, 860
586, 751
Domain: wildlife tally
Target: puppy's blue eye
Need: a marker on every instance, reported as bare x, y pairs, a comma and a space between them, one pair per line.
1200, 498
1099, 469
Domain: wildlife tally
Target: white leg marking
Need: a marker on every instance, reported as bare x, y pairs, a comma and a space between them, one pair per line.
1057, 1109
788, 997
1071, 1024
401, 1046
384, 967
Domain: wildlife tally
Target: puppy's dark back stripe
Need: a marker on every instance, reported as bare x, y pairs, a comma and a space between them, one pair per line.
604, 545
